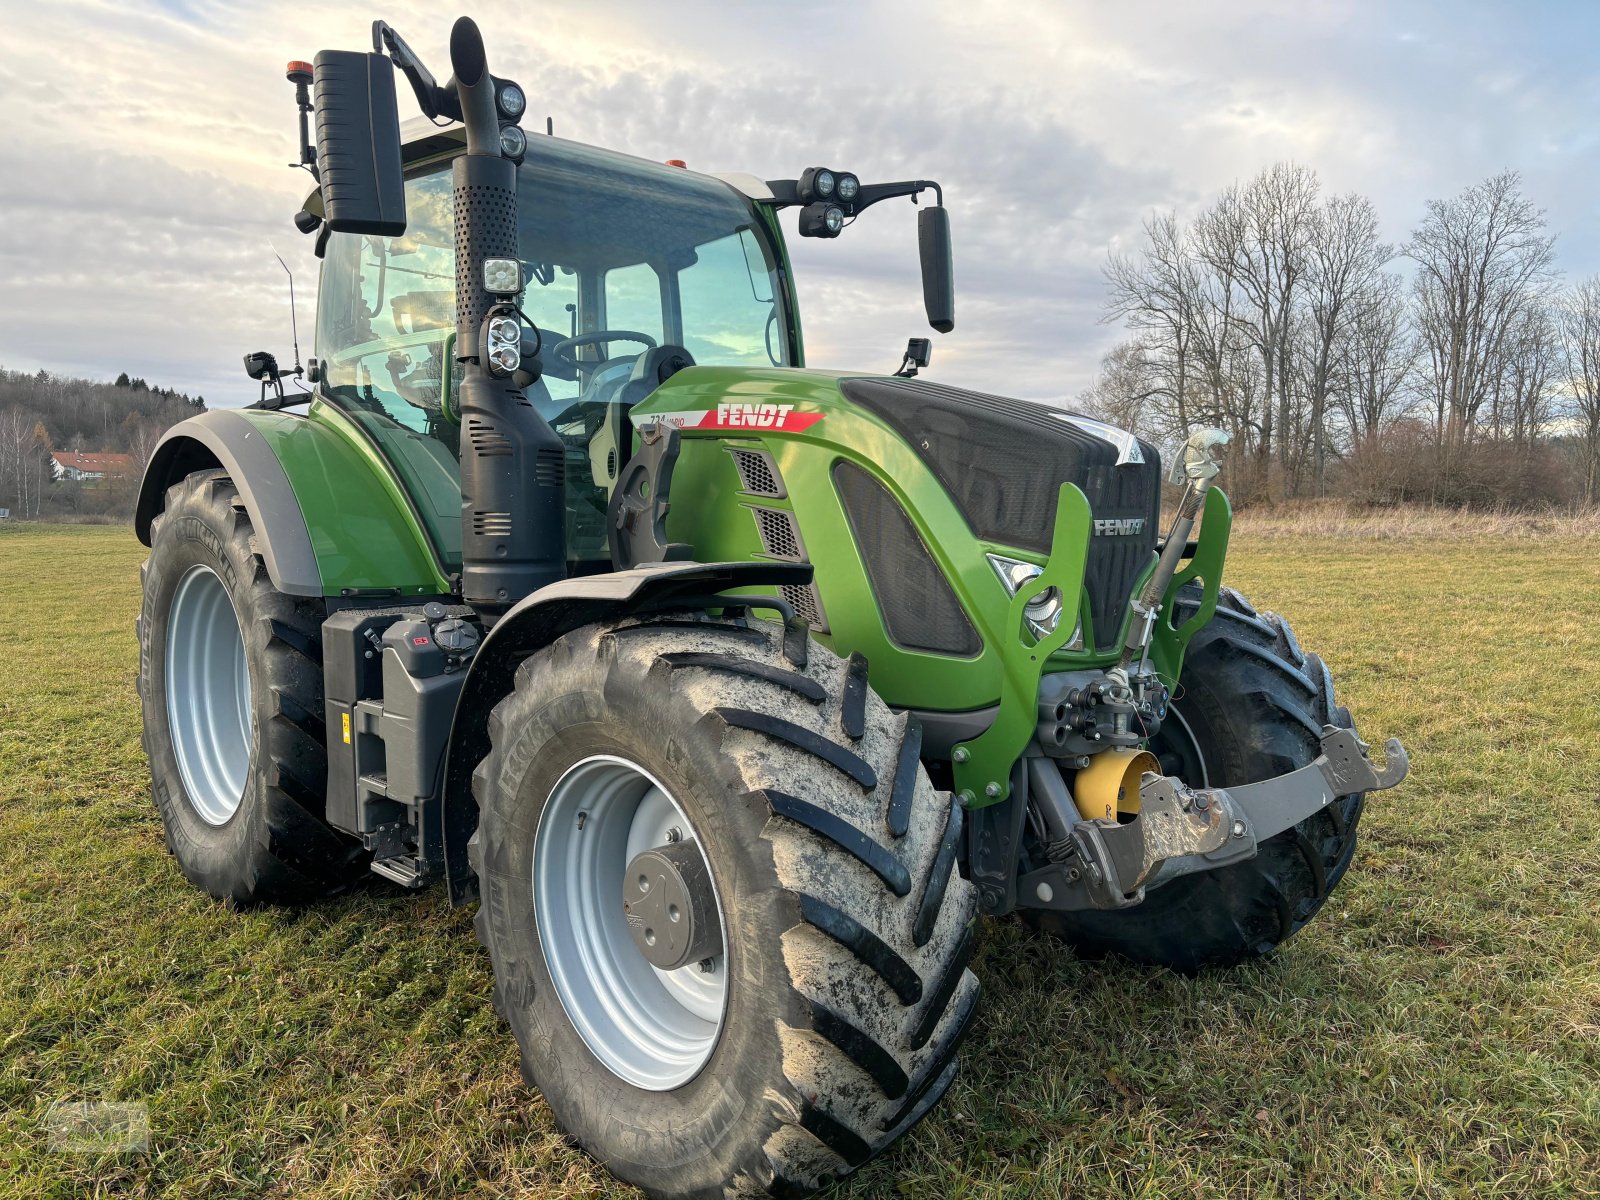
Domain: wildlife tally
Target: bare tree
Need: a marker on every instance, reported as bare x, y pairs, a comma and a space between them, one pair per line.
1483, 258
1376, 361
1579, 317
1255, 239
1345, 262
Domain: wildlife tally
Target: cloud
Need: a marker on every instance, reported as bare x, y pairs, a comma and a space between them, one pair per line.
146, 187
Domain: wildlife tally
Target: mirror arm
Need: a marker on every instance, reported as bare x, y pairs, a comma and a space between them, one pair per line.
786, 193
433, 100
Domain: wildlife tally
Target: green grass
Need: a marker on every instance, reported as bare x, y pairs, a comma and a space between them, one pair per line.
1435, 1032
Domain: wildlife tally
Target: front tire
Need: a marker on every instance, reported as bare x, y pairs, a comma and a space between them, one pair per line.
230, 683
846, 927
1250, 706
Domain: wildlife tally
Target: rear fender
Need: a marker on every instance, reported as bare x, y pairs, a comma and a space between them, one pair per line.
538, 620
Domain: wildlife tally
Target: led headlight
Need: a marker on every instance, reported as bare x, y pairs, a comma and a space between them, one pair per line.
513, 142
502, 335
510, 100
833, 218
822, 183
847, 187
502, 276
1043, 612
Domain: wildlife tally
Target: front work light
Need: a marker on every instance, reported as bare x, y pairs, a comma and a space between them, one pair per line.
847, 187
817, 183
502, 276
508, 98
821, 220
513, 142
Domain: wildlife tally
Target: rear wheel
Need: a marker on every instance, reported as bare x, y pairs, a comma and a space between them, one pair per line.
1250, 705
819, 1019
230, 682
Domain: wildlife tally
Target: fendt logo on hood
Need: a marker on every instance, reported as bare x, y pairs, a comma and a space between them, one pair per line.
1119, 527
754, 416
737, 415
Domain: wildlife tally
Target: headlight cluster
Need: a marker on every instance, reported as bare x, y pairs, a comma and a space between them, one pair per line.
1043, 612
502, 341
828, 197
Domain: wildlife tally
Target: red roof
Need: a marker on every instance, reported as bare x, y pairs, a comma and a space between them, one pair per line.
106, 463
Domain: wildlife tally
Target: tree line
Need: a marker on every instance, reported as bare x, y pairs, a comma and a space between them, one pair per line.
41, 414
1454, 368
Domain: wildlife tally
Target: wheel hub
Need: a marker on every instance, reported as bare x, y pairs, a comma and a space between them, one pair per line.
671, 911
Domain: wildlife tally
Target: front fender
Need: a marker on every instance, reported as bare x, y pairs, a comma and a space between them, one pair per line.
233, 441
536, 621
329, 515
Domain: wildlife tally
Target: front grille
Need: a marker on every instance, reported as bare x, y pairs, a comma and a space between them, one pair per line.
919, 609
780, 534
1003, 463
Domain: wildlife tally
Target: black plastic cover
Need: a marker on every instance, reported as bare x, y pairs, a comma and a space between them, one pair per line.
1003, 462
358, 144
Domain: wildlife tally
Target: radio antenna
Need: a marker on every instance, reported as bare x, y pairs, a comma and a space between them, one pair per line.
294, 324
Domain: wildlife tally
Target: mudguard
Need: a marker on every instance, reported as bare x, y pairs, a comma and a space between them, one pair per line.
230, 440
330, 517
538, 620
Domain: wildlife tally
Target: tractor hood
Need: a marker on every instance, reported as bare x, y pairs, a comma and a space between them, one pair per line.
1000, 462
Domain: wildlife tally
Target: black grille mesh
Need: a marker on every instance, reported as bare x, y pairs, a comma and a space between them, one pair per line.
1004, 461
780, 537
919, 609
758, 474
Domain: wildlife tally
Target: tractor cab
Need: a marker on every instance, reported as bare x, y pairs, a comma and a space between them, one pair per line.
633, 270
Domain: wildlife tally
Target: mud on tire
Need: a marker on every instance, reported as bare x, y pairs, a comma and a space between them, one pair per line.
275, 847
847, 925
1255, 703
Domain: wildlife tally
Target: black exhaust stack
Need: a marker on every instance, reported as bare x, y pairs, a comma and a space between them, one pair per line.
513, 488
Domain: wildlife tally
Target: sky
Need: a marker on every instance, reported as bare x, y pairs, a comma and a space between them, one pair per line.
145, 189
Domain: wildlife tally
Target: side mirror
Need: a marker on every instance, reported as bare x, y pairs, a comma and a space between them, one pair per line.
938, 270
358, 144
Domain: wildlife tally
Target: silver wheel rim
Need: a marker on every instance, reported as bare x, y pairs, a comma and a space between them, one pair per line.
208, 695
655, 1029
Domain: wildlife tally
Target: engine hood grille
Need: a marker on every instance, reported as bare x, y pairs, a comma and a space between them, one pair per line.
1003, 462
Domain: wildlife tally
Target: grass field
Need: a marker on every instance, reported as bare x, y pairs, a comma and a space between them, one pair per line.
1436, 1032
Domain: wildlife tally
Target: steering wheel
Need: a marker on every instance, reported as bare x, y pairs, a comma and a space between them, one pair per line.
563, 349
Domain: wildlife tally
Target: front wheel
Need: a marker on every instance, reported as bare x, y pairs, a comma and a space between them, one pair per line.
786, 1000
1250, 706
230, 681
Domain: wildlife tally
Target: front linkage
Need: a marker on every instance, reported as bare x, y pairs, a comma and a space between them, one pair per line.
1097, 723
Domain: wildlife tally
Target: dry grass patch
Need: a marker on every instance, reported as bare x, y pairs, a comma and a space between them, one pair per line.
1431, 1034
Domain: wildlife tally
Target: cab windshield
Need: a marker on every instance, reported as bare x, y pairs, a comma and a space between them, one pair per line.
625, 255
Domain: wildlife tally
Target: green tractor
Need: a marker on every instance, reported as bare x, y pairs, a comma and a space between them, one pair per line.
732, 690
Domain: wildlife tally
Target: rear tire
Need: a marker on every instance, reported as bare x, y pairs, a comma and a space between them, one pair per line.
846, 930
239, 777
1255, 704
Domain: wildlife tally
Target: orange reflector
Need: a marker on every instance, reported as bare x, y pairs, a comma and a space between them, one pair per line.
677, 162
296, 67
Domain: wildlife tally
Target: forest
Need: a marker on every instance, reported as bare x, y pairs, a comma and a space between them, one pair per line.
41, 414
1457, 368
